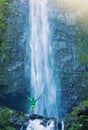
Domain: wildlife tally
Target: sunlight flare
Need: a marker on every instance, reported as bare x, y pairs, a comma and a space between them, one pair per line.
72, 4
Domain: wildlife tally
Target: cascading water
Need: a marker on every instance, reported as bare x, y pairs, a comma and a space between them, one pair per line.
62, 124
42, 79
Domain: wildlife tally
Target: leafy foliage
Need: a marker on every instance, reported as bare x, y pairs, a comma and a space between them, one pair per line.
78, 118
5, 116
8, 118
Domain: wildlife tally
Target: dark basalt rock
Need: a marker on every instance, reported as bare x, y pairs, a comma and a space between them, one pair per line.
19, 124
83, 111
35, 116
59, 125
45, 122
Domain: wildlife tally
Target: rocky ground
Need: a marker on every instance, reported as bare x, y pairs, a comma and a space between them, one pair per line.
13, 120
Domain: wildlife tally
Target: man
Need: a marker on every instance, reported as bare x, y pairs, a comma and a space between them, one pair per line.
32, 103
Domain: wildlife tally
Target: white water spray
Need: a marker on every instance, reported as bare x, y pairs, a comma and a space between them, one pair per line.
42, 79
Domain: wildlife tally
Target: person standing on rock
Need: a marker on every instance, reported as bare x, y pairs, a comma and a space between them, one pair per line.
32, 103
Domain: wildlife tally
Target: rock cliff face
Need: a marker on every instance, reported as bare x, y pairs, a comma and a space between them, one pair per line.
66, 52
12, 63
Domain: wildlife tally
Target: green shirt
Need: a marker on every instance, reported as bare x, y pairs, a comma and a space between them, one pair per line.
32, 101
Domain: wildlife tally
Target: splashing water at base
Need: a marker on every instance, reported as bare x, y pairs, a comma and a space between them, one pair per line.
36, 125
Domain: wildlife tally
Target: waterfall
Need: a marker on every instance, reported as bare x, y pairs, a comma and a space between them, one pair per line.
42, 79
62, 125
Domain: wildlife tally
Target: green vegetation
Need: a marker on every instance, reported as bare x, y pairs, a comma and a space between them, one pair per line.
4, 13
82, 36
5, 116
78, 119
